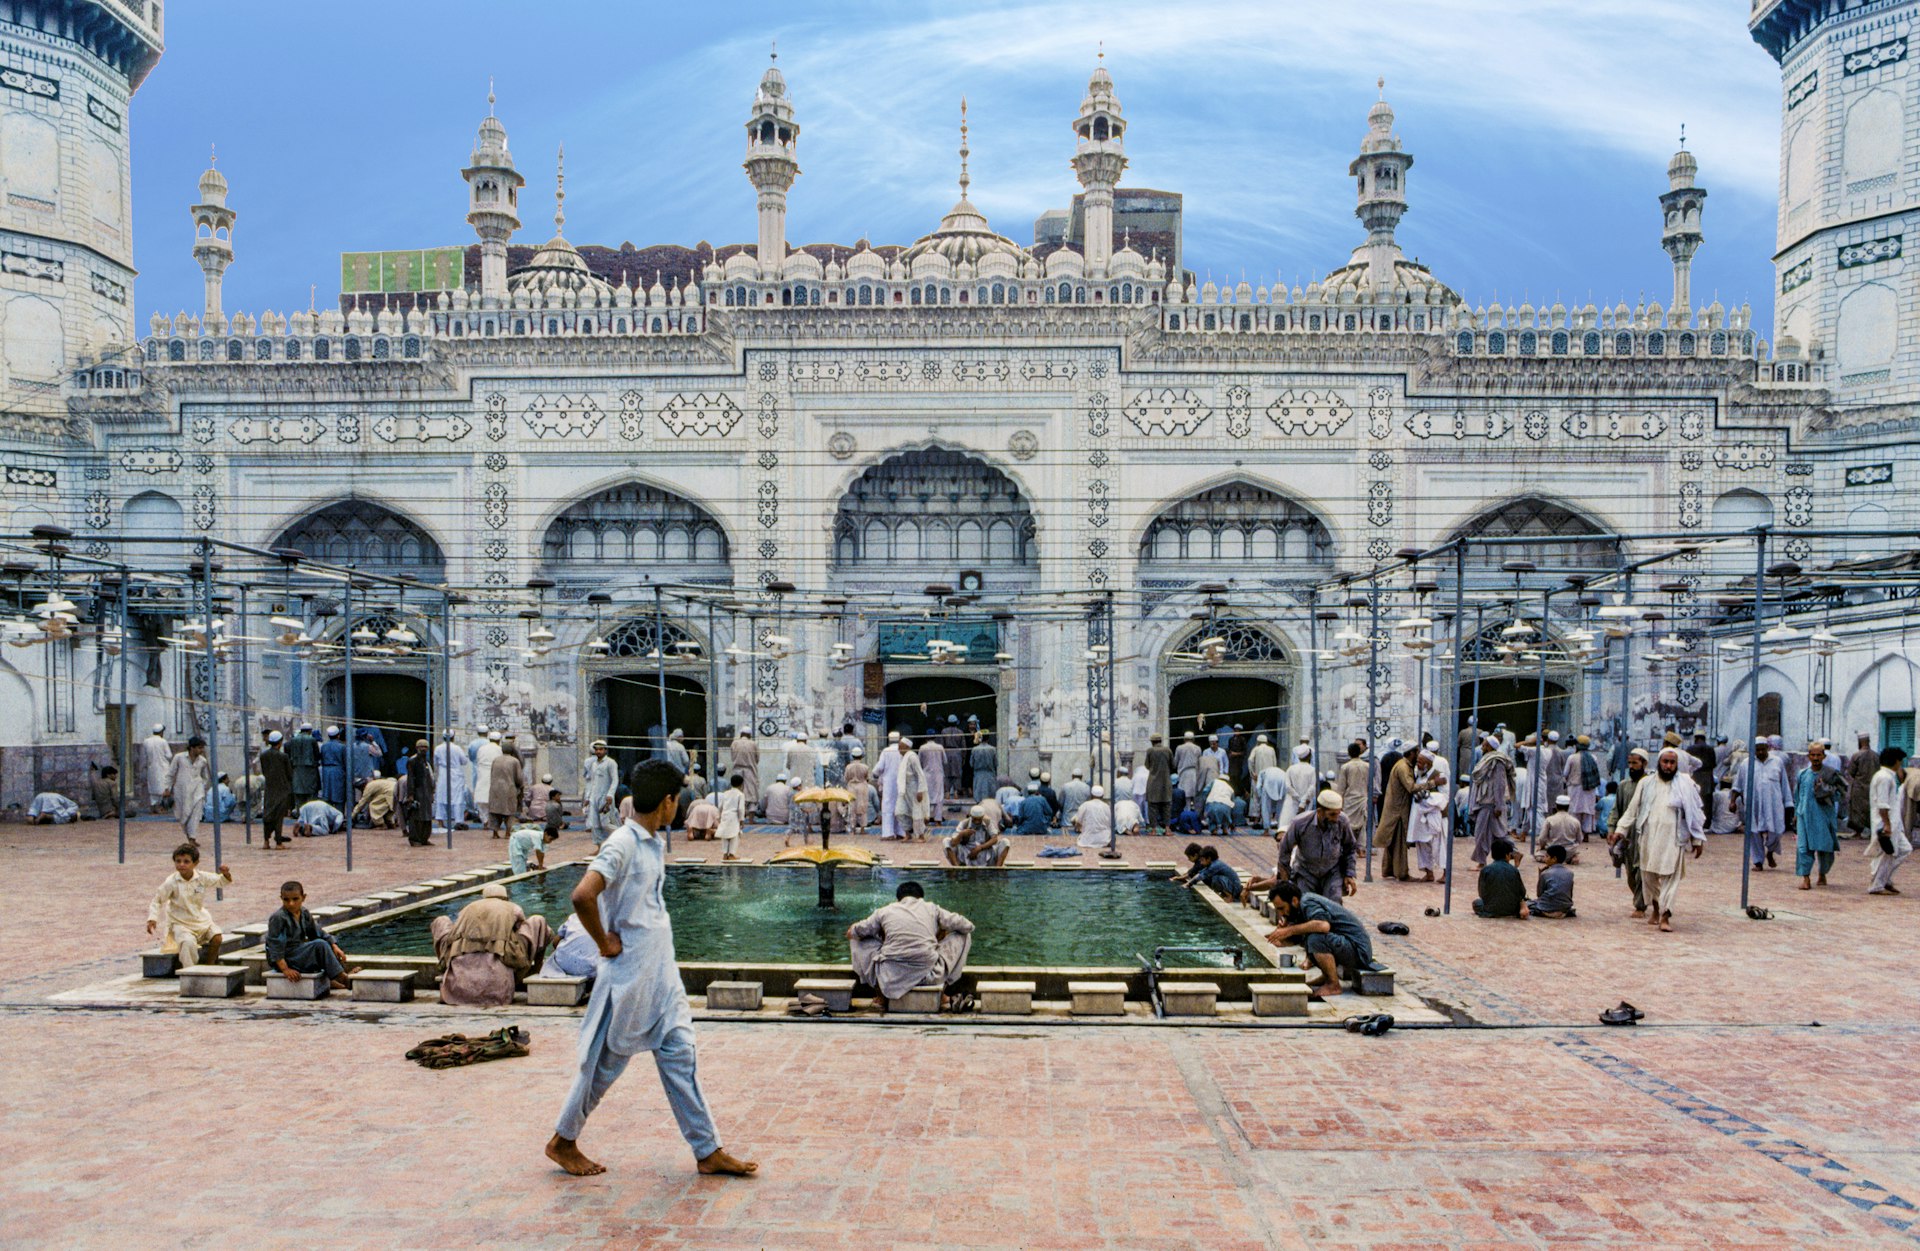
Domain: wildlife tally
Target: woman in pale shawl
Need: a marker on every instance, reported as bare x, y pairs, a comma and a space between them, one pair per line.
488, 950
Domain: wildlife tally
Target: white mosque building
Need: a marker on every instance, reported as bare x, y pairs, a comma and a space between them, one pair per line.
774, 473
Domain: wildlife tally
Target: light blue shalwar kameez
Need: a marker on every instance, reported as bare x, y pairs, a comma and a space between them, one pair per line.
638, 1003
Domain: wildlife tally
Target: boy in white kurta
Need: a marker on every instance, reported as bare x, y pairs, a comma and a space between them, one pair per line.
1887, 841
638, 1003
178, 913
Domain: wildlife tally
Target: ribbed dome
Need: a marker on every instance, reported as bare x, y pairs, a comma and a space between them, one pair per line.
963, 236
556, 266
1407, 276
213, 186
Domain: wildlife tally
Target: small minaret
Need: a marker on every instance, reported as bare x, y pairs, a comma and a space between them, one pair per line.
1098, 158
771, 166
1680, 236
213, 235
1381, 171
493, 201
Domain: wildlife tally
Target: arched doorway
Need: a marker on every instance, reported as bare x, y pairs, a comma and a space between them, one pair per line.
936, 515
395, 704
1509, 686
362, 533
1248, 685
1564, 533
920, 705
625, 692
1204, 705
1516, 701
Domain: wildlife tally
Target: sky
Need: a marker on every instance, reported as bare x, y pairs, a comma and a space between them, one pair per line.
1540, 130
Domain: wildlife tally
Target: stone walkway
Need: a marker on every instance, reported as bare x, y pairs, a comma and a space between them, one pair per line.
1726, 1120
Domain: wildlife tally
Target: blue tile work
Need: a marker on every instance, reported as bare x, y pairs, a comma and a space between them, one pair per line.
1824, 1171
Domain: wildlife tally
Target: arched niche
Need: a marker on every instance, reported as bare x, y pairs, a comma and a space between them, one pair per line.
368, 535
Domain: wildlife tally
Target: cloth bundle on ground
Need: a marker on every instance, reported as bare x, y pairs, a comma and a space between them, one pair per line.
454, 1050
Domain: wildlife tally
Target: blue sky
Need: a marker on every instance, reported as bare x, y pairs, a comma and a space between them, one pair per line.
1540, 130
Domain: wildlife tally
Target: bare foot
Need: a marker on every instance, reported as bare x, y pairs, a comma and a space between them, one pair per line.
719, 1162
1806, 884
1665, 928
1327, 990
341, 983
1639, 914
1823, 879
567, 1155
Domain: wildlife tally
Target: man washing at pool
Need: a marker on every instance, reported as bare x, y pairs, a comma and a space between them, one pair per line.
638, 1002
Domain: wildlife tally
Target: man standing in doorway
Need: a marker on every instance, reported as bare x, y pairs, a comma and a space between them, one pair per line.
1159, 784
599, 779
1861, 766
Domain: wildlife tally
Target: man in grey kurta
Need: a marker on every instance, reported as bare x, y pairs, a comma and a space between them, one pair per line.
599, 779
1490, 797
982, 761
638, 1003
910, 943
1766, 805
746, 763
1186, 768
1861, 766
1159, 784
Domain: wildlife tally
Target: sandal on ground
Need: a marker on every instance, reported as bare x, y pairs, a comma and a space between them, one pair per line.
807, 1005
1433, 912
1757, 913
1625, 1014
1377, 1024
1393, 927
963, 1003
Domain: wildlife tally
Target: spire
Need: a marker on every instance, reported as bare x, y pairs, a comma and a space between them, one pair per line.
1680, 235
489, 95
493, 199
213, 234
1099, 158
965, 181
560, 192
771, 164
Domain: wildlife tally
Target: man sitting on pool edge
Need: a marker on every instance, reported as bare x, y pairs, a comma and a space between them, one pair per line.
974, 844
911, 943
1335, 940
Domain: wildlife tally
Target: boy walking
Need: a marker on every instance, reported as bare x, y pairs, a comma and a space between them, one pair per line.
179, 913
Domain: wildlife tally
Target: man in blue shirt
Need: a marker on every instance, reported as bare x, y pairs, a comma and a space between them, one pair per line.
1211, 870
1335, 940
1036, 815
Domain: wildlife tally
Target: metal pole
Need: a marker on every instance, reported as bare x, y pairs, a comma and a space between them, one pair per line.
213, 693
444, 785
753, 675
1113, 711
1463, 762
346, 639
126, 728
1373, 702
660, 666
713, 710
1626, 669
1753, 705
1313, 679
246, 732
1540, 730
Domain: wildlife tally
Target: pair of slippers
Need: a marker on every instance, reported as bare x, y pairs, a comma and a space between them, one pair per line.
1393, 927
1756, 913
963, 1002
1371, 1024
808, 1005
1625, 1014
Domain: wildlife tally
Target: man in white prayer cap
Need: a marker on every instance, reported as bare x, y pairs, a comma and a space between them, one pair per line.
156, 761
1302, 782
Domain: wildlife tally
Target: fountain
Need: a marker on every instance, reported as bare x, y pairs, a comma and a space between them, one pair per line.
824, 858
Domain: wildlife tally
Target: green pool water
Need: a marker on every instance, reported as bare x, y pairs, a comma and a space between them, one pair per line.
758, 915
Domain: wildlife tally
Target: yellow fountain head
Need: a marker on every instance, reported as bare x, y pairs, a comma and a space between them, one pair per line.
824, 795
823, 855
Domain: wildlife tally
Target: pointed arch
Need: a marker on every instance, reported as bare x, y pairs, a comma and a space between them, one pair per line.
637, 518
932, 512
1537, 516
369, 535
1237, 520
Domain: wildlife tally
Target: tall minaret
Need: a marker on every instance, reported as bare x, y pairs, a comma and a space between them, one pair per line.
493, 201
1381, 171
1681, 235
213, 235
771, 166
1099, 155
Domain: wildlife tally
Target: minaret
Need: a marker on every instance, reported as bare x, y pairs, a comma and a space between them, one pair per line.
213, 236
1098, 157
1681, 235
771, 166
1381, 171
493, 201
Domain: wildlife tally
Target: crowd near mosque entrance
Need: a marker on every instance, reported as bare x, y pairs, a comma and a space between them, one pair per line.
394, 704
921, 704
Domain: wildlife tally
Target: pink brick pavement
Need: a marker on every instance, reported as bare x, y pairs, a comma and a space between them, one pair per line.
1723, 1122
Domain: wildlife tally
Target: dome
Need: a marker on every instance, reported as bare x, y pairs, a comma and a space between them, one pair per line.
964, 238
1408, 277
490, 146
1380, 116
213, 187
772, 84
557, 267
1682, 169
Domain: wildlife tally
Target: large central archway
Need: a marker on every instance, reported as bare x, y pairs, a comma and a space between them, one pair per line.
1565, 538
624, 690
934, 514
1237, 527
1251, 685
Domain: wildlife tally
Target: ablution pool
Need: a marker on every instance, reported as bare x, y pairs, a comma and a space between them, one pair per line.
752, 914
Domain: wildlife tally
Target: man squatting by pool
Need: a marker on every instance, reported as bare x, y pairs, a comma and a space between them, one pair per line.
638, 1003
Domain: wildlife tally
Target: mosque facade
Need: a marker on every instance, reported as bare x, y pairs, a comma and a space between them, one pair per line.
1063, 487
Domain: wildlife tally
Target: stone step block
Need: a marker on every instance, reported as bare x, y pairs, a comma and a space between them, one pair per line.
212, 981
1006, 998
1375, 982
310, 986
1098, 998
557, 990
1111, 864
382, 985
837, 991
1280, 998
734, 996
919, 999
1189, 998
689, 859
158, 963
1017, 864
925, 864
1162, 864
330, 914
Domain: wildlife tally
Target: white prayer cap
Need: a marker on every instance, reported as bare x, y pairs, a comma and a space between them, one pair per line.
333, 731
1553, 736
306, 727
893, 736
1331, 799
1861, 734
1033, 771
906, 742
1637, 751
1302, 752
856, 750
1048, 777
598, 742
678, 734
160, 727
1396, 743
493, 736
1077, 771
273, 736
1259, 738
1098, 791
447, 735
1561, 801
546, 779
781, 778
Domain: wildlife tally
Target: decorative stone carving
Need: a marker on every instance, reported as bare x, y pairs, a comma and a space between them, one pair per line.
700, 415
1168, 411
1860, 60
1380, 412
1742, 457
102, 112
151, 460
1690, 493
1615, 426
44, 268
1535, 424
813, 371
29, 84
1048, 371
841, 445
1799, 506
1098, 423
1854, 255
1693, 424
1459, 424
276, 429
493, 505
496, 417
496, 462
882, 371
23, 475
204, 509
1309, 411
563, 416
981, 371
347, 428
99, 506
769, 505
1023, 445
1380, 504
421, 429
769, 414
1869, 475
633, 422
